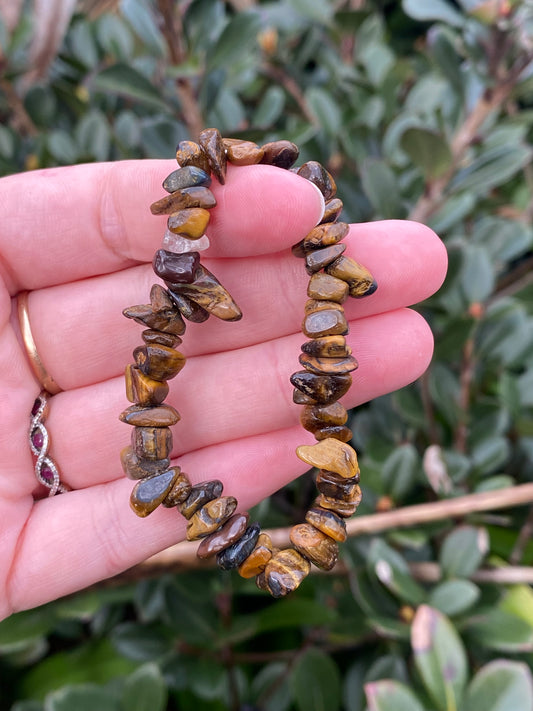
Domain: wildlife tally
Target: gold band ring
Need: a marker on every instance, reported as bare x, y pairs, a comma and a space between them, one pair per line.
44, 378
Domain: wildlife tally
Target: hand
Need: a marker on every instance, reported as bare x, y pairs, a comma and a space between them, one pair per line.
79, 239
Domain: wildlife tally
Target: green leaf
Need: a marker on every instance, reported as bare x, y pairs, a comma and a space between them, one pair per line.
477, 276
381, 188
320, 12
518, 601
401, 470
499, 630
500, 685
440, 657
453, 597
455, 209
270, 687
115, 37
269, 108
442, 43
62, 147
434, 10
236, 41
145, 690
463, 551
390, 695
143, 22
353, 695
325, 109
428, 150
295, 613
492, 168
24, 628
85, 697
93, 136
315, 682
141, 642
124, 80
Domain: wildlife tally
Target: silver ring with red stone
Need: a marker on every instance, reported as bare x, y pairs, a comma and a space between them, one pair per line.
46, 469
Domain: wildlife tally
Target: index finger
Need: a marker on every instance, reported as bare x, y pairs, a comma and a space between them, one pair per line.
64, 224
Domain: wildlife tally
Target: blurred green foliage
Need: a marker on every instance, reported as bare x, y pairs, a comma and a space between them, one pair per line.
421, 110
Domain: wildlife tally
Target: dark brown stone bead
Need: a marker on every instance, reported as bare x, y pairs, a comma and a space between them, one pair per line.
210, 517
323, 286
320, 549
186, 177
233, 556
176, 268
317, 174
188, 197
190, 153
300, 398
360, 281
162, 416
328, 522
208, 292
160, 299
199, 495
320, 258
151, 442
191, 222
323, 389
256, 562
328, 366
332, 211
169, 321
285, 571
314, 417
143, 390
180, 490
189, 309
210, 141
330, 454
343, 434
149, 493
261, 581
314, 305
282, 154
159, 362
342, 507
244, 153
330, 322
335, 486
321, 236
325, 235
327, 347
224, 537
165, 339
136, 468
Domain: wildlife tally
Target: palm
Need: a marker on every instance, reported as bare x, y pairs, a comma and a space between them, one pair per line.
79, 239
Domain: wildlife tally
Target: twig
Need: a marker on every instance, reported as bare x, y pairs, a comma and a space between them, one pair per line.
183, 555
522, 539
292, 88
172, 29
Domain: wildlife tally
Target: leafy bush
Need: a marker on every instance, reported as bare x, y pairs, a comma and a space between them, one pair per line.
420, 110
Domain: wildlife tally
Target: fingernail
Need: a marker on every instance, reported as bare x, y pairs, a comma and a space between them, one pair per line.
322, 202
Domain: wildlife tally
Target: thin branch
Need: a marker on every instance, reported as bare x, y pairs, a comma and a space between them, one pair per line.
182, 556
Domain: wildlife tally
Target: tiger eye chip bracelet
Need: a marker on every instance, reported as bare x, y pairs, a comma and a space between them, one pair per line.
192, 293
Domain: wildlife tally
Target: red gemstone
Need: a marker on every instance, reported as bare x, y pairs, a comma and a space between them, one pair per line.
37, 439
36, 407
47, 473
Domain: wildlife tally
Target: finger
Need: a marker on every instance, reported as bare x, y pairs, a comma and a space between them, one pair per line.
92, 534
75, 222
71, 323
233, 395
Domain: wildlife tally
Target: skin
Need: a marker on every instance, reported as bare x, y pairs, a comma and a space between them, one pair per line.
81, 239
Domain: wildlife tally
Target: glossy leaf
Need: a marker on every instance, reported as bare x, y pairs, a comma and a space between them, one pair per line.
145, 690
236, 41
428, 150
390, 695
462, 551
315, 682
436, 10
381, 188
82, 698
501, 631
454, 597
440, 657
500, 685
125, 80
